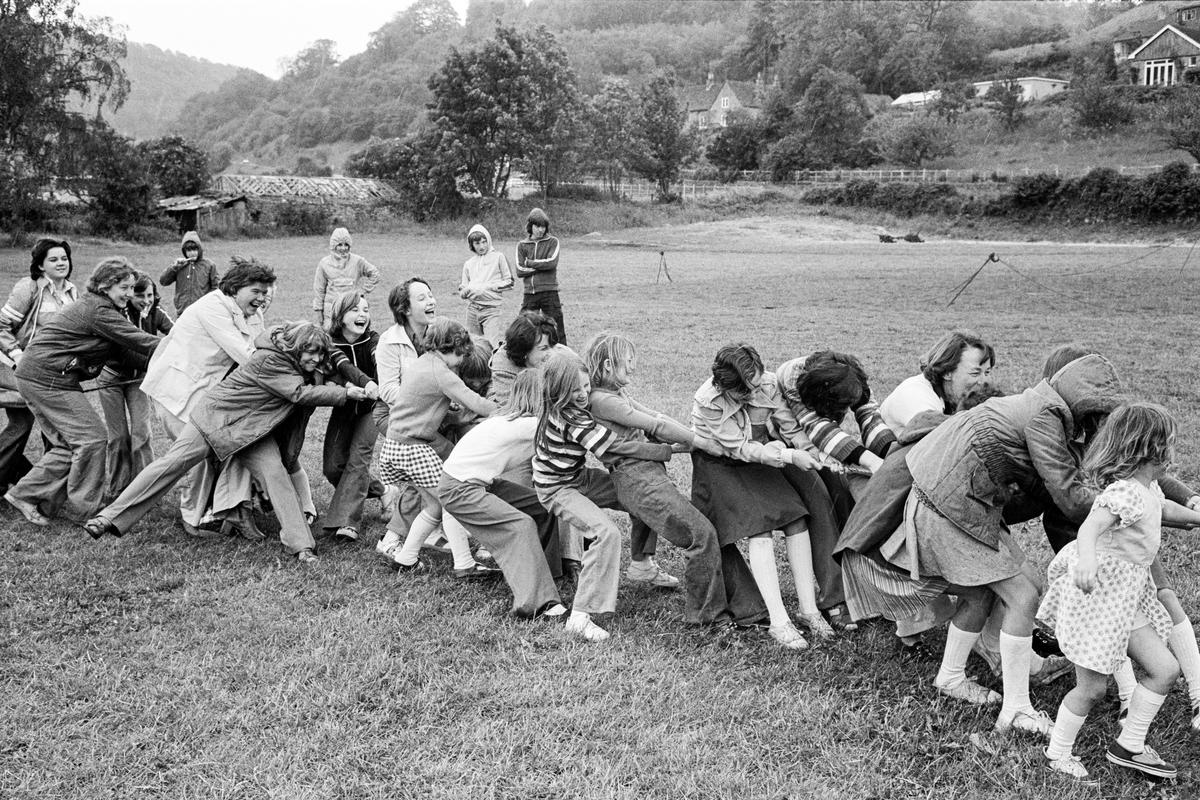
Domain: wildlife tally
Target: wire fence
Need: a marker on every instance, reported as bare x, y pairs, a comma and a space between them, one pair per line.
694, 183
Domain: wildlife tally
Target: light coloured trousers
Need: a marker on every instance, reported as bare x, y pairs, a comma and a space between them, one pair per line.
581, 505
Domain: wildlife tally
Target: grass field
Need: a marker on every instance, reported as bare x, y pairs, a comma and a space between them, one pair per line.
159, 666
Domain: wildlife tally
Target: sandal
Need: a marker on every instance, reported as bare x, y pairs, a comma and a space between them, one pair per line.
346, 533
839, 618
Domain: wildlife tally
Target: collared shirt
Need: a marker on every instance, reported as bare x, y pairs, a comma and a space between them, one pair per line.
755, 430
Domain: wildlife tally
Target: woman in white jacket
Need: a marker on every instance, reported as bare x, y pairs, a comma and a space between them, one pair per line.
212, 336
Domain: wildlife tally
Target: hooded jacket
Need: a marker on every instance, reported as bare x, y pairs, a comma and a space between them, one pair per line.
537, 259
965, 467
337, 274
257, 397
485, 276
193, 279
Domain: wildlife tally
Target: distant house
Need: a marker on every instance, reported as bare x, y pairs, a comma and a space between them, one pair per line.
916, 99
1033, 88
708, 105
1168, 56
206, 213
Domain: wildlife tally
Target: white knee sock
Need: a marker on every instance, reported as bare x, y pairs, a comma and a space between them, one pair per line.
1062, 738
799, 553
460, 546
1014, 672
761, 551
1182, 642
1143, 707
422, 525
1126, 681
954, 658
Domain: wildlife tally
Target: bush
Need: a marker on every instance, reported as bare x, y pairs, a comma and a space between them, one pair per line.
1035, 191
302, 219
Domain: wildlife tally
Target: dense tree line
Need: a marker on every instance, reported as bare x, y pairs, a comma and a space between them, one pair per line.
53, 62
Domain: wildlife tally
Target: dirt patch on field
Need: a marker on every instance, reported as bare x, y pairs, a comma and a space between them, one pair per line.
747, 234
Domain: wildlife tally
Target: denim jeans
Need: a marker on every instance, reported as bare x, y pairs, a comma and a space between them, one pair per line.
580, 506
647, 492
346, 461
69, 478
489, 322
128, 416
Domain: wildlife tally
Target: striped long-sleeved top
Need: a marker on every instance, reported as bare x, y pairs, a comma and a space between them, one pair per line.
830, 436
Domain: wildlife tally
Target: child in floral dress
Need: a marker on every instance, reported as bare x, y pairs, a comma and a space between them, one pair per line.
1102, 600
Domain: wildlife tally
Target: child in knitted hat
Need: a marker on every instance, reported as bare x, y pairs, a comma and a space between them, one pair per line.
337, 273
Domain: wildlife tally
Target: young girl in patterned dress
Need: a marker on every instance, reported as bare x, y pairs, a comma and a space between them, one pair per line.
1102, 600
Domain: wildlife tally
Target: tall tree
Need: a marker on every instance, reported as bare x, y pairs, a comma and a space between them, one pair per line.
664, 143
175, 166
506, 100
48, 56
610, 118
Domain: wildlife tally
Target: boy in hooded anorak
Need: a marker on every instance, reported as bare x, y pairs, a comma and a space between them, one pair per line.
484, 276
193, 275
337, 273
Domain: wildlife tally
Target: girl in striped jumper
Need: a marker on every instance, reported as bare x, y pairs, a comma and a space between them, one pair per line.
576, 493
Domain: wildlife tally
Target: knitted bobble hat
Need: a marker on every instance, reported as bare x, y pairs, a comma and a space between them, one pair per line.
339, 236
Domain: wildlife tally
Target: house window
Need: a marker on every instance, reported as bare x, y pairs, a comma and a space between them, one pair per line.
724, 102
702, 121
1159, 73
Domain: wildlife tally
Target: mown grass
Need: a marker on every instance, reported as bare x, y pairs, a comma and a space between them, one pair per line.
159, 666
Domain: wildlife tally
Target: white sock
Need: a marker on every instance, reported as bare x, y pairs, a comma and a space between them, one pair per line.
1182, 641
954, 658
1062, 738
1126, 681
799, 553
1035, 663
1014, 672
422, 525
460, 546
761, 551
1143, 707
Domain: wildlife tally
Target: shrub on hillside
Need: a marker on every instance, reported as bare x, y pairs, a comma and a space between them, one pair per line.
902, 198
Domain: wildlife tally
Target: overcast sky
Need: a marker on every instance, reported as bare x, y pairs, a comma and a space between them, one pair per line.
258, 34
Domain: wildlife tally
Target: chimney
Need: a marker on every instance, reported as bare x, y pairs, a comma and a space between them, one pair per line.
708, 84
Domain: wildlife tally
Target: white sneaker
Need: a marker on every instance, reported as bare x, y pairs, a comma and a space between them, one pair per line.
581, 626
648, 571
1068, 765
386, 545
1027, 720
969, 691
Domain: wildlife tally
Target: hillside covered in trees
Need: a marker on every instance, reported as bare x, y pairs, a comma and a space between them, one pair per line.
327, 105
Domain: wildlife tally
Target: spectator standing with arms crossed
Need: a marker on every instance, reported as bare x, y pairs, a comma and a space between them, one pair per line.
537, 265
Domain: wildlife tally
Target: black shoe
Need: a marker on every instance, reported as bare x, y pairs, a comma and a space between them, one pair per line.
415, 567
477, 572
97, 527
1146, 762
1045, 644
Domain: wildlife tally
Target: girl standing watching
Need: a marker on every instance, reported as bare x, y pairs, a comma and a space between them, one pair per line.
484, 276
337, 273
1102, 600
744, 492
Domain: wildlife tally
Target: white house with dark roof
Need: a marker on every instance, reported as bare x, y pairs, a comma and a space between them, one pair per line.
709, 105
1168, 56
